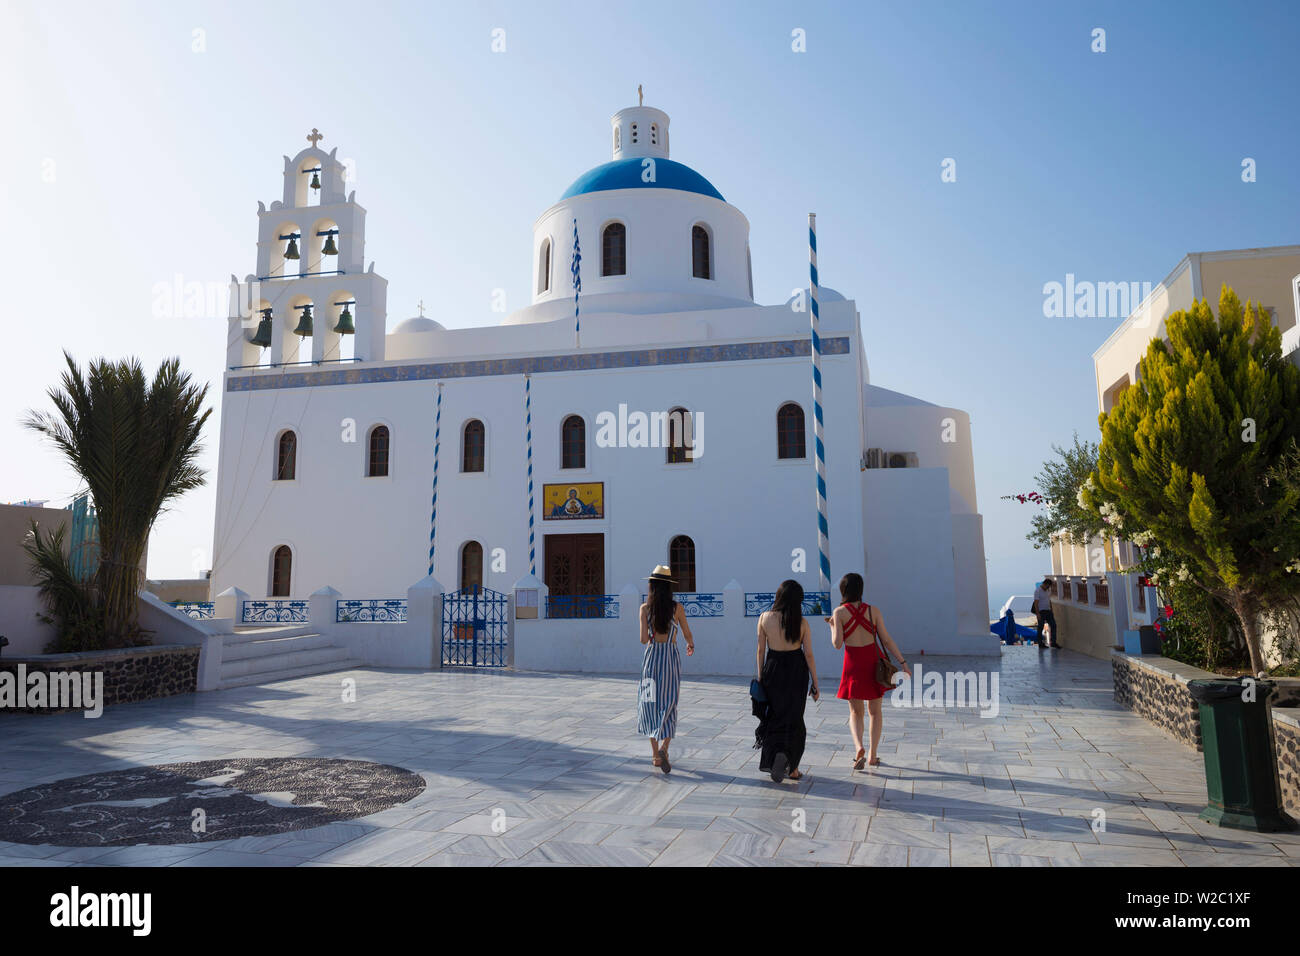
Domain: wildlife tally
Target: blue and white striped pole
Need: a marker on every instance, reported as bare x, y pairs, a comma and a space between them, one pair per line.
823, 527
528, 428
437, 440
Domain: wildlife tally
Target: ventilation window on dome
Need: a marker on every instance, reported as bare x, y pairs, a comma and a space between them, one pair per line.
634, 133
654, 134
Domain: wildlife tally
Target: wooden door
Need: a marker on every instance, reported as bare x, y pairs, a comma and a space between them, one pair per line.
575, 564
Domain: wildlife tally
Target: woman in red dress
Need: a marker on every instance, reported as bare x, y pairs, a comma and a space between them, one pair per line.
860, 629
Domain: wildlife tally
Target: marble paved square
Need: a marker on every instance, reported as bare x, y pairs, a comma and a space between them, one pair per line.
526, 769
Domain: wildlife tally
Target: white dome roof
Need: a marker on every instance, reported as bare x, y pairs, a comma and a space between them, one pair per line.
824, 294
418, 323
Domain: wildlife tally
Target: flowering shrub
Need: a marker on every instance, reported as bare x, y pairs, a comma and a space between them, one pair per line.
1027, 498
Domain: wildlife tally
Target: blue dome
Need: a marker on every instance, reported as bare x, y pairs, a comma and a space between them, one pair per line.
626, 174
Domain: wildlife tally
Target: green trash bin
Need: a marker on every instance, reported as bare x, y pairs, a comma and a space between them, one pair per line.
1240, 765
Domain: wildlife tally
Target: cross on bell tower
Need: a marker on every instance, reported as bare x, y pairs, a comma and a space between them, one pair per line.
315, 136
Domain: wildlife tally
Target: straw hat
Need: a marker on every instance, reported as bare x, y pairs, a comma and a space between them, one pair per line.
662, 573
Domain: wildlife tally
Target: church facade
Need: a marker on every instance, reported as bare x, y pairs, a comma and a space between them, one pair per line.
670, 423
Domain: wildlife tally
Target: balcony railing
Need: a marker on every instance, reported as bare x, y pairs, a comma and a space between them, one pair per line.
697, 603
199, 610
370, 611
582, 605
282, 611
815, 603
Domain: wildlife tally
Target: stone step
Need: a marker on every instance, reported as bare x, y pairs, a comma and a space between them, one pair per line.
290, 673
269, 646
288, 659
257, 632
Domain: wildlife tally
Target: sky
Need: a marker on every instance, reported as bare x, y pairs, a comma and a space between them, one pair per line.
139, 137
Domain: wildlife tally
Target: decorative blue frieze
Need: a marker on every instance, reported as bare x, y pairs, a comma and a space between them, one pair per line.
575, 362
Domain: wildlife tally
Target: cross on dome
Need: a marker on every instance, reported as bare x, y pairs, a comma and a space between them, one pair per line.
640, 97
315, 136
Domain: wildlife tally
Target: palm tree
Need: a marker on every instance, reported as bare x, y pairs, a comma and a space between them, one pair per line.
134, 443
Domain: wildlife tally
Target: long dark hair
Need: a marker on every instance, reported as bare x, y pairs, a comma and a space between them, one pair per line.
851, 588
789, 604
662, 606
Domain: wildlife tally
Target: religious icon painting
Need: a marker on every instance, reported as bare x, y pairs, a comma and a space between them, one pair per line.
573, 501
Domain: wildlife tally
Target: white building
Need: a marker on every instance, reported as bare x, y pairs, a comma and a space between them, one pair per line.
327, 463
1096, 598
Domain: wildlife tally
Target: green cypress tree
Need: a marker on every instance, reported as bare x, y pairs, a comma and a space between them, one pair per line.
1189, 455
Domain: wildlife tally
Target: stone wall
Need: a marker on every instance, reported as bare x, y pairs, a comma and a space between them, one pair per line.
1286, 737
1156, 689
130, 674
1159, 695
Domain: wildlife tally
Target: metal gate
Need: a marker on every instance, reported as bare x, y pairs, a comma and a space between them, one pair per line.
475, 628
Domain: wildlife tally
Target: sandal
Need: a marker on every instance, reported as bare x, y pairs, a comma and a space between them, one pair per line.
795, 775
665, 766
657, 761
875, 762
860, 760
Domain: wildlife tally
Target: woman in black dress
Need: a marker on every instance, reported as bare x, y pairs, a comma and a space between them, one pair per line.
785, 662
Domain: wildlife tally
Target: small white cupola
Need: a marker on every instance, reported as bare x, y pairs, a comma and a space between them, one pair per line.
639, 131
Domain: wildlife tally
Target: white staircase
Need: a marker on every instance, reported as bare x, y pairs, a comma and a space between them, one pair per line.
263, 654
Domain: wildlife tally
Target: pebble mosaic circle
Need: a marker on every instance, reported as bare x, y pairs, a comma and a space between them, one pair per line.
237, 798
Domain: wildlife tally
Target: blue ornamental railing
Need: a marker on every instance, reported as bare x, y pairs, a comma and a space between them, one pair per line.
815, 603
199, 610
283, 611
370, 611
697, 603
581, 605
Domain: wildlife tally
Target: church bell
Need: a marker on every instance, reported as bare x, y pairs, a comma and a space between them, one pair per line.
315, 179
330, 249
291, 251
262, 337
304, 323
345, 326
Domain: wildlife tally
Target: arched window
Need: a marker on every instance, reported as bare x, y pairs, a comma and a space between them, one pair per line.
613, 250
471, 566
281, 571
679, 436
473, 446
286, 457
618, 139
544, 267
377, 467
573, 443
681, 561
700, 264
790, 432
749, 269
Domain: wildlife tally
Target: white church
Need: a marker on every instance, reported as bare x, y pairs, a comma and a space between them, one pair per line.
669, 422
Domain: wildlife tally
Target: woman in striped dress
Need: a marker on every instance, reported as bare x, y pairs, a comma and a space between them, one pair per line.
661, 671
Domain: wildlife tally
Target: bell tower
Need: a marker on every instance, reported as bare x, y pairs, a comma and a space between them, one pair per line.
311, 288
639, 131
